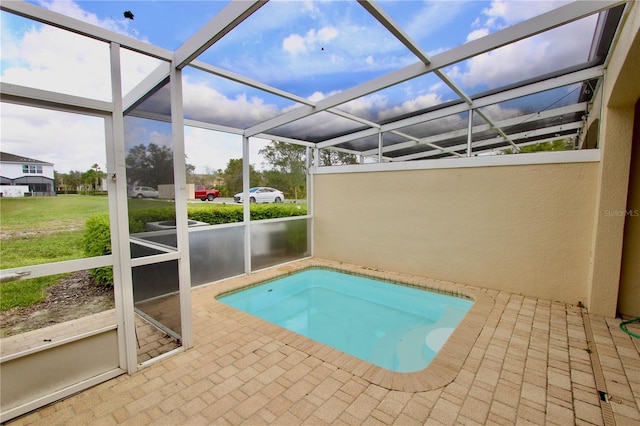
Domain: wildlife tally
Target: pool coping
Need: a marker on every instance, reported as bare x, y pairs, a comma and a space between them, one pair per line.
442, 370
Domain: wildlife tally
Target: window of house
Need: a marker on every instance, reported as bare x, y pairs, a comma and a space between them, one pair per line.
31, 168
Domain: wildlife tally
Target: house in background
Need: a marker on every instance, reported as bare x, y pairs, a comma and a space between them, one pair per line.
22, 175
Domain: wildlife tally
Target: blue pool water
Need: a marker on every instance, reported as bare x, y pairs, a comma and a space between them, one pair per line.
395, 327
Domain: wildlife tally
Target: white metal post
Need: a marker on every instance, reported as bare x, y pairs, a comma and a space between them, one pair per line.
119, 219
181, 196
310, 177
246, 205
470, 132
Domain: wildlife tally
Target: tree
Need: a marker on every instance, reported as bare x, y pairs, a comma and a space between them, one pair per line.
232, 176
74, 179
150, 165
68, 181
289, 169
92, 178
289, 166
557, 145
190, 169
330, 157
60, 181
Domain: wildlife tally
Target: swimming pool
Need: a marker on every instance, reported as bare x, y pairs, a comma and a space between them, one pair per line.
395, 327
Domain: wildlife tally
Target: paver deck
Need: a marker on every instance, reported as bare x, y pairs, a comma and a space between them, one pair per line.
532, 362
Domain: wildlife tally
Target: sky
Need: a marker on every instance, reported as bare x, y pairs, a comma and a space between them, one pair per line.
310, 48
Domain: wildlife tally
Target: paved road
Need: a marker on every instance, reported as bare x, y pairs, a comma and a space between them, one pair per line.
219, 200
229, 200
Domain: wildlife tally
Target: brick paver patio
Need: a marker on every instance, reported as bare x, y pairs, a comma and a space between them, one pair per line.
532, 362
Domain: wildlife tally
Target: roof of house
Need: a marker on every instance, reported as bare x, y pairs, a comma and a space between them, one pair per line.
5, 157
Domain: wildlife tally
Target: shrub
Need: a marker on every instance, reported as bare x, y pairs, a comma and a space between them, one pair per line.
215, 215
218, 214
138, 218
97, 237
274, 211
97, 242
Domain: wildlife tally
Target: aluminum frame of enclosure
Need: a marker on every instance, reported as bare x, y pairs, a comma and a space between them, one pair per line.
237, 12
377, 155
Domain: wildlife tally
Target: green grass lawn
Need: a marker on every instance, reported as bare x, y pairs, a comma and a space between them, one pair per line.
52, 213
41, 230
45, 229
25, 292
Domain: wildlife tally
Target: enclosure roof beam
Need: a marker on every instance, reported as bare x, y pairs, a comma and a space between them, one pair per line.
416, 141
491, 141
569, 109
552, 83
381, 16
287, 140
214, 127
520, 145
388, 23
364, 121
203, 66
221, 24
147, 87
28, 96
348, 138
563, 15
541, 86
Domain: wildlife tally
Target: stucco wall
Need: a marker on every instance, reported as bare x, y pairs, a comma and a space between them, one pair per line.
621, 92
525, 229
629, 296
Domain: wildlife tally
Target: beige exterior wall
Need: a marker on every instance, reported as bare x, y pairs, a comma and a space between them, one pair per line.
552, 231
621, 92
629, 295
167, 192
525, 229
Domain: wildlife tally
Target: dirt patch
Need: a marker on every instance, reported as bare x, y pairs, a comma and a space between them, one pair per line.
53, 227
75, 296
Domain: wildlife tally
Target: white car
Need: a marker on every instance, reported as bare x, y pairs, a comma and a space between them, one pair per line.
143, 192
261, 194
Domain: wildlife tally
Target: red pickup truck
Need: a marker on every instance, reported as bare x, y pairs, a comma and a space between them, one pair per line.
205, 194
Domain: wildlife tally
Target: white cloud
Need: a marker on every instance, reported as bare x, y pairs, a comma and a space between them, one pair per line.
69, 141
296, 44
316, 96
496, 112
326, 34
434, 17
501, 12
476, 34
209, 150
73, 10
374, 107
205, 103
56, 60
420, 102
367, 106
436, 86
51, 59
556, 49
